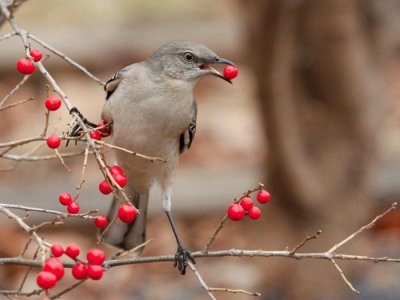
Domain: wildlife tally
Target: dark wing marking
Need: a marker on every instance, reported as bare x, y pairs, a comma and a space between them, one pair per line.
186, 138
112, 84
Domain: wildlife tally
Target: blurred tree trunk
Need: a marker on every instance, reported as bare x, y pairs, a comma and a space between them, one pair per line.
321, 97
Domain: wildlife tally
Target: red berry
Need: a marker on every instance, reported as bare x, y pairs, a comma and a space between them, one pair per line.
65, 198
246, 203
36, 55
96, 135
53, 265
25, 66
106, 131
72, 250
230, 72
127, 213
263, 196
57, 250
101, 222
95, 272
120, 179
115, 170
53, 141
73, 207
53, 103
46, 280
79, 271
96, 256
105, 187
235, 212
254, 213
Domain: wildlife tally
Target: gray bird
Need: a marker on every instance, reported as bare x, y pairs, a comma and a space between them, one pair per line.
153, 112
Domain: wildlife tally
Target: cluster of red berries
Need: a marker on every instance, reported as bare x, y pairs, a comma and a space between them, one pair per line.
53, 269
102, 132
126, 212
230, 72
237, 211
26, 66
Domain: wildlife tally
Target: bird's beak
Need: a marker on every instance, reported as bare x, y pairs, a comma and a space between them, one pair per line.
213, 71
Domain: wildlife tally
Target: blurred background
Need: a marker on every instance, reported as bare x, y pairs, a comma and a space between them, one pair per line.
313, 114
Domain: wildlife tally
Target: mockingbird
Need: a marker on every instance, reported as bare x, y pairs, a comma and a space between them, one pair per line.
153, 112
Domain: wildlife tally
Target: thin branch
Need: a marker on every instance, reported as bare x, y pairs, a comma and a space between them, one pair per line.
7, 36
14, 90
234, 291
111, 146
62, 161
365, 227
15, 104
201, 280
70, 288
294, 250
40, 157
127, 252
82, 180
344, 277
85, 215
66, 58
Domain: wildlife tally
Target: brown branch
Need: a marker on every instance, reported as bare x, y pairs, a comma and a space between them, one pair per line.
14, 90
344, 277
365, 227
294, 250
66, 58
234, 291
15, 104
150, 158
201, 280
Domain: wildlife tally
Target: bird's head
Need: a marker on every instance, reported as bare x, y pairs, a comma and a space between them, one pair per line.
187, 61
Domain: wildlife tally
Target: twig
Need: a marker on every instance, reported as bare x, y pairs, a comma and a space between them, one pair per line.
40, 157
201, 280
150, 158
85, 215
70, 288
15, 104
62, 161
7, 36
16, 88
365, 227
125, 253
82, 180
294, 250
234, 291
66, 58
17, 293
344, 277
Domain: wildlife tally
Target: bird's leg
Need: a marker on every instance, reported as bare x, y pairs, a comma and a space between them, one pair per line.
182, 255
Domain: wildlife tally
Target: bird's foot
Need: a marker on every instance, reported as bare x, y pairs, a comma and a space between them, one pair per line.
182, 257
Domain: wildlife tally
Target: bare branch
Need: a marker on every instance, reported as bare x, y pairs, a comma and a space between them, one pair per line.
344, 277
15, 104
365, 227
234, 291
66, 58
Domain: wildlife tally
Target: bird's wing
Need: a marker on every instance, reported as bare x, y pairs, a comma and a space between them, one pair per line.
112, 84
186, 138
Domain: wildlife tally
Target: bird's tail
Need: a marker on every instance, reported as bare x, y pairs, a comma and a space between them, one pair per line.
128, 236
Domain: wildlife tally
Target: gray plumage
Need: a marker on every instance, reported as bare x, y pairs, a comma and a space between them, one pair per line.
153, 112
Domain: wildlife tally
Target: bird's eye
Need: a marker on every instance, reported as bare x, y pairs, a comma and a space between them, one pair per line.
187, 56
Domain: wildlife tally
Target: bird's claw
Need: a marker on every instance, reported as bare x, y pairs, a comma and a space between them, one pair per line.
182, 257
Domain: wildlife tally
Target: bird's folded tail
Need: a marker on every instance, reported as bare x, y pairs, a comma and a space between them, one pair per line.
128, 236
